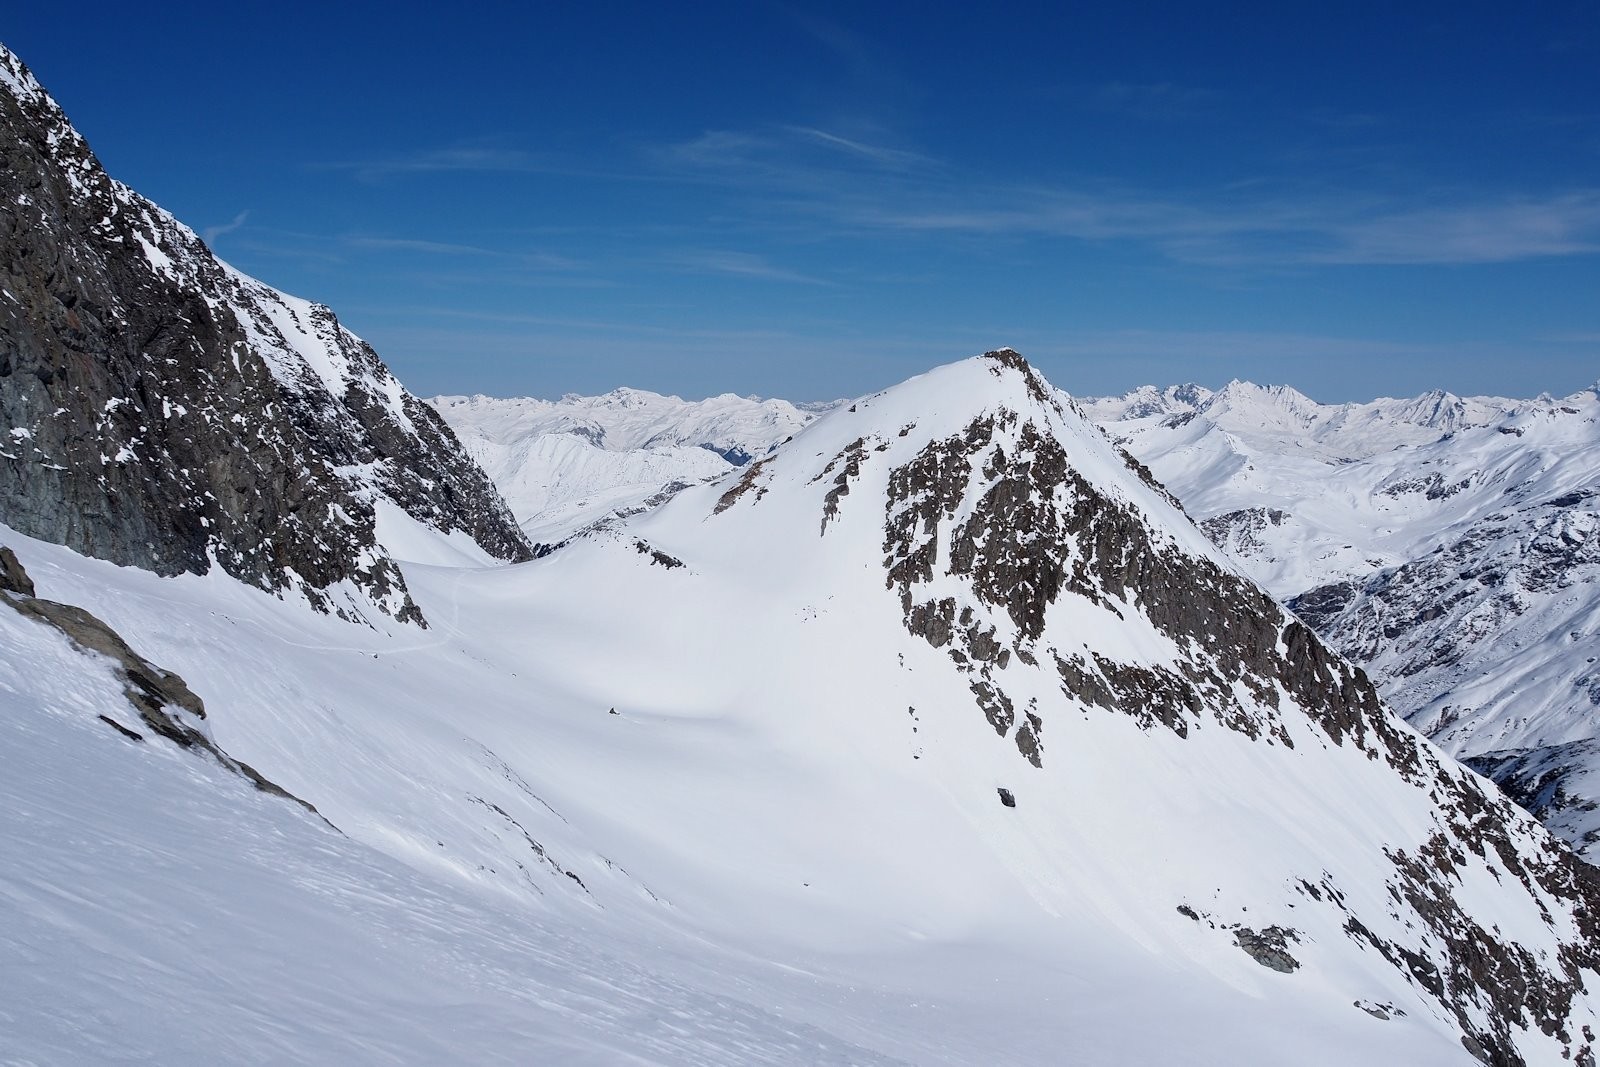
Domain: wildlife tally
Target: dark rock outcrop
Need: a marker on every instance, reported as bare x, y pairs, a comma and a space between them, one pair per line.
13, 578
1269, 947
163, 701
1037, 531
657, 556
160, 410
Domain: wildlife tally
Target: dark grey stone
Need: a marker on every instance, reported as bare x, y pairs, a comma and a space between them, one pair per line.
164, 702
1269, 947
13, 579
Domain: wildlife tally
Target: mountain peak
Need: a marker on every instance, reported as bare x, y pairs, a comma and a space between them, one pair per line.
1239, 391
17, 78
967, 545
1146, 401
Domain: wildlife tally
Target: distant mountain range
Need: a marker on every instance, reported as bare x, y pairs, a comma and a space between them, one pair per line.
564, 465
1449, 545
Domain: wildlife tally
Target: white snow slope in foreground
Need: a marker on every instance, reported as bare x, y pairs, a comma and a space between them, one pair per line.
1449, 545
690, 791
564, 465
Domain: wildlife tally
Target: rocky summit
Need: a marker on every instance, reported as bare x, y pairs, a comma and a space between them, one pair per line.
161, 410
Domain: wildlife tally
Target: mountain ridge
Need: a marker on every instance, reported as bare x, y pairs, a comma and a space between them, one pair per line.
164, 410
1430, 472
997, 516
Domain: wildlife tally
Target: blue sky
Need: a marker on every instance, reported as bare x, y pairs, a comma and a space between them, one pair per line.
814, 200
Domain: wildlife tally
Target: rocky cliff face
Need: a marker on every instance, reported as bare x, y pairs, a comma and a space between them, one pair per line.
161, 410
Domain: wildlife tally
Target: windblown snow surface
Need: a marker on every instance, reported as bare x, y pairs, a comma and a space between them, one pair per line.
689, 790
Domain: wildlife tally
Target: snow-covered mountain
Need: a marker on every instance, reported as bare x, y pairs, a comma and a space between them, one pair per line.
936, 734
1358, 487
564, 465
1442, 542
940, 701
1449, 545
162, 410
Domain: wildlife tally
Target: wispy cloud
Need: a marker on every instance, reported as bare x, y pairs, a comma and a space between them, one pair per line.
341, 249
1058, 212
846, 44
210, 234
1225, 347
470, 159
439, 161
1288, 230
539, 259
882, 155
738, 264
845, 187
713, 150
408, 244
1492, 232
782, 156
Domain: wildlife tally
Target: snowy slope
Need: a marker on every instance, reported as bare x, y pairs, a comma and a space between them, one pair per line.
165, 912
159, 909
564, 465
750, 748
1447, 544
